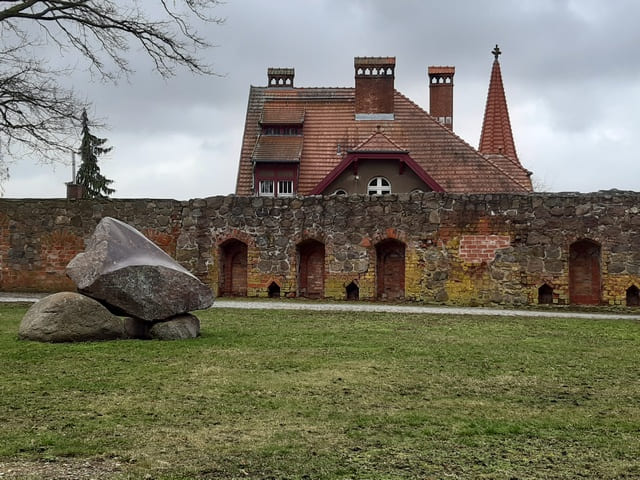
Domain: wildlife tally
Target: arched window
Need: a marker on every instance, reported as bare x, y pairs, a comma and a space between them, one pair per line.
340, 191
379, 186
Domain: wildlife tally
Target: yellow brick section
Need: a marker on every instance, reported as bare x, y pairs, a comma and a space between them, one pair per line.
413, 274
335, 285
614, 288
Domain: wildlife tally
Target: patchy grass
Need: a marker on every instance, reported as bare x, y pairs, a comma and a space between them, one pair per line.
293, 394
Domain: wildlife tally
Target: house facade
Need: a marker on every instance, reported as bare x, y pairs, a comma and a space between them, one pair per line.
371, 139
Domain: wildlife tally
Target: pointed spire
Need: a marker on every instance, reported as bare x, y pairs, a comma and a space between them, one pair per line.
496, 136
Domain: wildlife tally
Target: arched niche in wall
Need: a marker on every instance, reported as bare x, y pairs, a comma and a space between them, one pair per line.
273, 290
352, 291
545, 294
233, 269
390, 269
310, 269
633, 296
584, 273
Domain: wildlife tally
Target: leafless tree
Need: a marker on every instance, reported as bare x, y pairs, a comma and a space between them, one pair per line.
38, 114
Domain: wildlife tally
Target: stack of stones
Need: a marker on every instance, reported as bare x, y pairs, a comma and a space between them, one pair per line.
127, 288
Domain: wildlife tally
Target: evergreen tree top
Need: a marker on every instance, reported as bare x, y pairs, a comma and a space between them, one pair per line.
95, 184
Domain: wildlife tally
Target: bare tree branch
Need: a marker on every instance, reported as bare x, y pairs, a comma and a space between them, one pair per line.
41, 117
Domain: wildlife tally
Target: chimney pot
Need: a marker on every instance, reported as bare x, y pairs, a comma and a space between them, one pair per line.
280, 77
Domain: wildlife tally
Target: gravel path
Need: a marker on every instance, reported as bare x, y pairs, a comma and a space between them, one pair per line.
382, 307
369, 307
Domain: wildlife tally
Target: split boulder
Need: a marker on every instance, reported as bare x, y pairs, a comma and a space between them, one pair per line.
130, 274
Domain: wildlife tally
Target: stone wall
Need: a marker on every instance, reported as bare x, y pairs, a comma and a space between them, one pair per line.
458, 249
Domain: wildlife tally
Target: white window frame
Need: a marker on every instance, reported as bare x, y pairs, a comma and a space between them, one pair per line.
264, 190
376, 186
287, 191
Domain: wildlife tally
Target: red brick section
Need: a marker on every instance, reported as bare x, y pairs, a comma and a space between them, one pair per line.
390, 270
311, 269
482, 248
496, 137
4, 247
233, 260
166, 241
374, 84
441, 92
584, 273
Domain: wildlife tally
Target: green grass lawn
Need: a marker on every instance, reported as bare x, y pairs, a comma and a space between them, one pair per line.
293, 394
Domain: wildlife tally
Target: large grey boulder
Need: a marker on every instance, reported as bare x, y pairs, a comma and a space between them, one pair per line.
72, 317
180, 327
129, 273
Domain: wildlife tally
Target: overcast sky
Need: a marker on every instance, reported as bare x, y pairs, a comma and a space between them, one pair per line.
571, 71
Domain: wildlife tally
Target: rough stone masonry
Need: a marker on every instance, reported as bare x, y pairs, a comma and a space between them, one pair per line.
432, 247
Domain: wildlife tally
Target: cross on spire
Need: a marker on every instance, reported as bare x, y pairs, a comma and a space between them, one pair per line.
496, 52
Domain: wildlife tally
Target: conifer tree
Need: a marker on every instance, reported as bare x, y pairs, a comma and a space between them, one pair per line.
95, 184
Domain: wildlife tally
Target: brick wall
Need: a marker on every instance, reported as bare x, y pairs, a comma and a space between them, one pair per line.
459, 249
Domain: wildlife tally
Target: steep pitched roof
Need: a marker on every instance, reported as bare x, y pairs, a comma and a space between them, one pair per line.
331, 129
496, 137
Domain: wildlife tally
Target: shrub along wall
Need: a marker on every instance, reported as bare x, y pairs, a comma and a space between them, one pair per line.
459, 249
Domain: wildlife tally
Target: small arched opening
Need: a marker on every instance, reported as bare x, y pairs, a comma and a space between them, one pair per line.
633, 296
273, 290
545, 295
353, 291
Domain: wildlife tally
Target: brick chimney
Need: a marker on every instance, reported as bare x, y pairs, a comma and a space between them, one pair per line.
374, 87
441, 94
75, 191
280, 77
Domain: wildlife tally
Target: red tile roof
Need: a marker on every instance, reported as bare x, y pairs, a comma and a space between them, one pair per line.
496, 137
378, 142
278, 148
330, 130
275, 113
